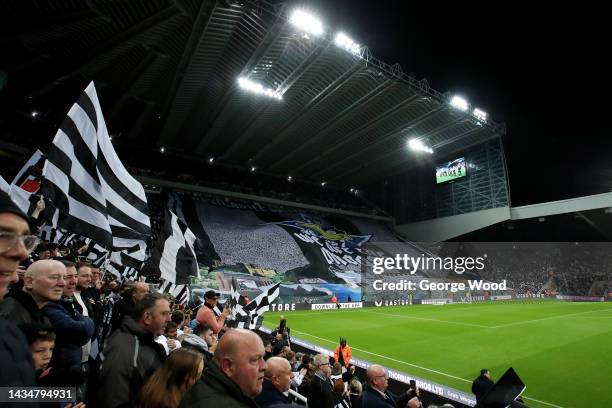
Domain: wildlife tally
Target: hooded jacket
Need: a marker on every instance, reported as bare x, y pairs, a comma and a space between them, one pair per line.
128, 360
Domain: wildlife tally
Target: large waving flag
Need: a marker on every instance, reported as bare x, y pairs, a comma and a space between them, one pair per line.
250, 316
174, 255
84, 178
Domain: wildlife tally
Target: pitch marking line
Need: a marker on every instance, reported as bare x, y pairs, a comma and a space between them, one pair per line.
414, 365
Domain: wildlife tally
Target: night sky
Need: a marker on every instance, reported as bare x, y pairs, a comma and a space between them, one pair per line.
544, 72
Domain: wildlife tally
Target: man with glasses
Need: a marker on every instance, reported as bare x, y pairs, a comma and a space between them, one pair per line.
320, 391
376, 395
15, 242
43, 283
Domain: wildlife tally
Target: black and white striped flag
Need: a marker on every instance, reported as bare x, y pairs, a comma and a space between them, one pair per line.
173, 255
180, 292
96, 254
84, 178
250, 316
56, 235
122, 272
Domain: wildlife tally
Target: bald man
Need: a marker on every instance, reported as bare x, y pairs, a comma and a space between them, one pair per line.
235, 375
376, 395
277, 381
43, 282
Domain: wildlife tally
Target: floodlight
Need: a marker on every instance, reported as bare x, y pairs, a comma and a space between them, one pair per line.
459, 103
253, 168
323, 183
480, 115
162, 149
289, 178
343, 41
34, 114
418, 146
258, 88
211, 160
306, 22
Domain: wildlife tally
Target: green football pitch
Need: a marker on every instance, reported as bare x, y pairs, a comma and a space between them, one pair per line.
561, 350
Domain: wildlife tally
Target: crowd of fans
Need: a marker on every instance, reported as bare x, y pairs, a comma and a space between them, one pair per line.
62, 324
566, 268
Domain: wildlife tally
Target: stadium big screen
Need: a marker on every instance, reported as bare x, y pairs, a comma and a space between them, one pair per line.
450, 171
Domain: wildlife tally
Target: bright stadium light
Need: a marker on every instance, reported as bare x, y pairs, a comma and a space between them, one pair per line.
253, 168
323, 183
480, 115
258, 88
343, 41
459, 103
162, 149
352, 190
306, 22
34, 114
418, 146
211, 160
289, 178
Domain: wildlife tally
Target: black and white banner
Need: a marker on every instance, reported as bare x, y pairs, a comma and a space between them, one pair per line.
174, 255
84, 178
299, 246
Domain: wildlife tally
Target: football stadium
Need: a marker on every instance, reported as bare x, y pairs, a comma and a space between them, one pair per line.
249, 203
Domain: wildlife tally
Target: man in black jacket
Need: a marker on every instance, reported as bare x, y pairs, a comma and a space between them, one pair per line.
320, 393
235, 375
482, 384
131, 354
376, 395
277, 382
15, 356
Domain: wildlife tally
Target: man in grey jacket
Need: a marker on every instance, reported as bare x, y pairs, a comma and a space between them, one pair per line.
131, 354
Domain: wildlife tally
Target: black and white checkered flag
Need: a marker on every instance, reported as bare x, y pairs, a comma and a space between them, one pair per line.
250, 316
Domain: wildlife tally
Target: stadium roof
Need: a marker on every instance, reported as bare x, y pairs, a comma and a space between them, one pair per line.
167, 73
